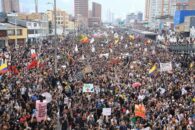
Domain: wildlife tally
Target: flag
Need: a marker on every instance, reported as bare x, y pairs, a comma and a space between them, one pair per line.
151, 71
14, 70
84, 40
33, 53
3, 67
76, 49
33, 64
92, 40
116, 41
93, 49
140, 111
191, 65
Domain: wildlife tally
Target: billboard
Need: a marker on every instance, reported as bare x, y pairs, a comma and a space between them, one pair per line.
181, 14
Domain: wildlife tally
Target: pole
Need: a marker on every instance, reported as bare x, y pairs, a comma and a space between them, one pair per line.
55, 41
16, 33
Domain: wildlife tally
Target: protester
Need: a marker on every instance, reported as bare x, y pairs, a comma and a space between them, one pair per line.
119, 72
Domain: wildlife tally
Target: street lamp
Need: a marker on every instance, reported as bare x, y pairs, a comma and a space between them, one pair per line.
55, 38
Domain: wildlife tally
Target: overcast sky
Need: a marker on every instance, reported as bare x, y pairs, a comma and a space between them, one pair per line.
119, 7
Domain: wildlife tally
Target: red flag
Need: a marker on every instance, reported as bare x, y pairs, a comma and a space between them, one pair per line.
32, 65
13, 69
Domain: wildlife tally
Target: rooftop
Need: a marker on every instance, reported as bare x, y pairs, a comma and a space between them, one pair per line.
5, 26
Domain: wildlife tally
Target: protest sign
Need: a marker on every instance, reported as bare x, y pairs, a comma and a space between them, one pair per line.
106, 111
165, 66
88, 88
41, 108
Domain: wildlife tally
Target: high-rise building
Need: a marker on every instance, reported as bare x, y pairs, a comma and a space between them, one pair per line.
96, 10
81, 8
139, 16
96, 14
81, 11
147, 9
36, 6
9, 6
185, 4
159, 8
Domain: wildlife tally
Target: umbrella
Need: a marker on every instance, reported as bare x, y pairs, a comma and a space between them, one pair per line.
136, 84
47, 96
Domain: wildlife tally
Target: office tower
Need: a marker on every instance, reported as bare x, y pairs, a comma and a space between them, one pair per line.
96, 10
81, 8
9, 6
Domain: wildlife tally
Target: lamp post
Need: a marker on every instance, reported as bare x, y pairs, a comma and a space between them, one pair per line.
55, 31
55, 38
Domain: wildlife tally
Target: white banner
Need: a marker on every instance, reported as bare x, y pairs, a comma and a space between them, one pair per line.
41, 108
165, 66
106, 111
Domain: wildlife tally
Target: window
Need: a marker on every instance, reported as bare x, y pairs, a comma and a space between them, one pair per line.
19, 31
29, 24
35, 24
10, 32
32, 31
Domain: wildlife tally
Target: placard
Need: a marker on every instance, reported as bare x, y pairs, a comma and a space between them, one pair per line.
106, 111
41, 108
165, 66
88, 88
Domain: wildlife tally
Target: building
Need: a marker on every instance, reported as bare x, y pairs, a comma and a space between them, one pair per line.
130, 18
139, 16
159, 11
185, 4
36, 6
62, 19
32, 16
81, 11
37, 29
9, 6
134, 18
147, 9
96, 14
96, 10
8, 34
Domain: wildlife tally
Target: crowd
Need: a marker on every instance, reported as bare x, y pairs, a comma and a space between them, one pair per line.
112, 67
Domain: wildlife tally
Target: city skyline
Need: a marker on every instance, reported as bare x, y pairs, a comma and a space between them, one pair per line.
120, 9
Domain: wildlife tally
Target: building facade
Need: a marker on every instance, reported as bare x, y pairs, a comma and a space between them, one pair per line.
81, 8
147, 9
157, 12
96, 14
62, 20
139, 16
185, 4
8, 34
9, 6
96, 10
36, 30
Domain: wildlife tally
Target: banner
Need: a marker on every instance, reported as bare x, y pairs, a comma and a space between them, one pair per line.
106, 111
88, 88
140, 111
41, 108
165, 66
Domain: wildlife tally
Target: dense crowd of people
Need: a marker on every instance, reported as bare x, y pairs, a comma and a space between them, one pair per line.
112, 66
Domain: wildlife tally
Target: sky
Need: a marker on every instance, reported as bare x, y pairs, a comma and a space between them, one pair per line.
120, 8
